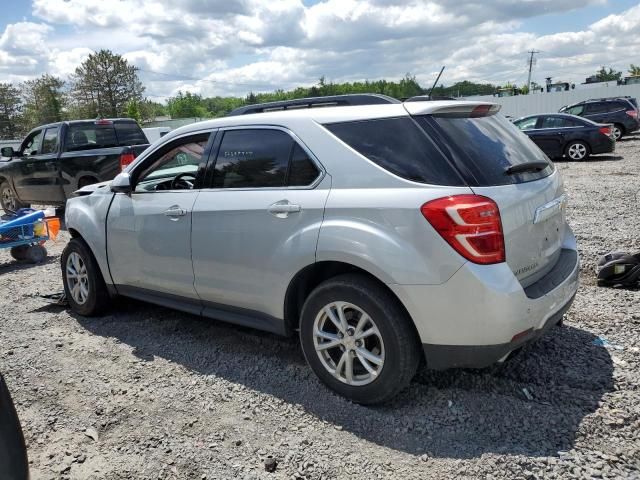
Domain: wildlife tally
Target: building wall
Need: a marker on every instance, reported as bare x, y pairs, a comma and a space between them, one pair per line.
523, 105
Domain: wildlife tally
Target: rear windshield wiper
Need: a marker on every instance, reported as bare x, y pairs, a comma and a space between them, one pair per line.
526, 167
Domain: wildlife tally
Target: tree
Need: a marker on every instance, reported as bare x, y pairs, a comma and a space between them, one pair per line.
185, 105
10, 111
149, 110
44, 100
634, 70
104, 85
606, 76
133, 111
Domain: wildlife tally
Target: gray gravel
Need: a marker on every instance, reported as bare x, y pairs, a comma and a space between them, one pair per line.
148, 393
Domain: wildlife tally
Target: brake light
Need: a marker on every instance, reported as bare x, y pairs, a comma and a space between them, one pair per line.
470, 224
632, 113
125, 159
103, 122
605, 131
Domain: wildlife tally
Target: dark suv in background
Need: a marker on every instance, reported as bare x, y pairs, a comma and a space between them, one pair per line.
621, 112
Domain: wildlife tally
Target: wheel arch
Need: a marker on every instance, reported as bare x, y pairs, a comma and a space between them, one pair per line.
307, 279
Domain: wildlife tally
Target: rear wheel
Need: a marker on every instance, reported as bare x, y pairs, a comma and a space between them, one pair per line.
35, 254
8, 199
19, 252
84, 286
577, 151
618, 131
358, 339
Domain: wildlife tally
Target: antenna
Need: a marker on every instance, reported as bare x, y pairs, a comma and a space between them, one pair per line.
436, 82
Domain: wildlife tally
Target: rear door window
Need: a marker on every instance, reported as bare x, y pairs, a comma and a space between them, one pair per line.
483, 148
129, 133
399, 146
557, 122
596, 107
89, 136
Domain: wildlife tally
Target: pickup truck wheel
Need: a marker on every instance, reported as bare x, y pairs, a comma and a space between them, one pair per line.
357, 338
8, 199
84, 286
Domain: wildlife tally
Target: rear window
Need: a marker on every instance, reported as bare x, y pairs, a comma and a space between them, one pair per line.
483, 148
129, 133
89, 136
400, 146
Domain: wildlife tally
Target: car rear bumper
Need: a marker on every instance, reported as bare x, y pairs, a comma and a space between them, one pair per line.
483, 313
603, 145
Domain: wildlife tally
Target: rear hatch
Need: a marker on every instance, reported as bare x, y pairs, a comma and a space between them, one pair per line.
500, 162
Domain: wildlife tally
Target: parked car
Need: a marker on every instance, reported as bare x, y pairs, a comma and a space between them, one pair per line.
385, 233
622, 113
55, 160
559, 134
14, 464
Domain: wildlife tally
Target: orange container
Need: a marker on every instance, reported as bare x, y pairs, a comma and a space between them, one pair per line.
53, 224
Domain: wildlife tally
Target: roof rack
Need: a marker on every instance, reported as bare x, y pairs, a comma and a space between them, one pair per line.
314, 102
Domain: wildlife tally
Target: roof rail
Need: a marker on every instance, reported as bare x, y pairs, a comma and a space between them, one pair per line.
312, 102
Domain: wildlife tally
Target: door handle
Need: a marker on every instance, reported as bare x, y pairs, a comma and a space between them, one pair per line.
283, 208
174, 212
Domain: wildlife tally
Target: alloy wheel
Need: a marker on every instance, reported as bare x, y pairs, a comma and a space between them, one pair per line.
617, 133
348, 343
8, 199
577, 151
77, 278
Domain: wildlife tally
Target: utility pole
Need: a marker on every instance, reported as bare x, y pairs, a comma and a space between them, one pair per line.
532, 53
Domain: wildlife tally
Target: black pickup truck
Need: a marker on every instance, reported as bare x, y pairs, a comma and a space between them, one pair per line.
55, 160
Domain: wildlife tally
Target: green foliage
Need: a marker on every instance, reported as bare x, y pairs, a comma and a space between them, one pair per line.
605, 76
634, 70
104, 85
150, 109
133, 111
44, 100
10, 111
186, 105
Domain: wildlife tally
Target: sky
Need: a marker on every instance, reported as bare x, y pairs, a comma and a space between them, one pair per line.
232, 47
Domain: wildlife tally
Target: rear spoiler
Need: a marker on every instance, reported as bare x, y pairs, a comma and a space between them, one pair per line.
454, 110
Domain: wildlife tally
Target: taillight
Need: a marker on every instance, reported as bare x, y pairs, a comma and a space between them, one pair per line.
470, 224
605, 131
125, 159
632, 113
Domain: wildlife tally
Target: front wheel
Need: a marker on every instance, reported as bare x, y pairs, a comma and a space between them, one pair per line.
84, 286
9, 200
577, 151
358, 339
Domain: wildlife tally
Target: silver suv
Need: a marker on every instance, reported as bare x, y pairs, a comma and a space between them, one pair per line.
385, 233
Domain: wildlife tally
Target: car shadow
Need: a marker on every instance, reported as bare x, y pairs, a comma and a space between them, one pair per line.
591, 159
17, 265
532, 405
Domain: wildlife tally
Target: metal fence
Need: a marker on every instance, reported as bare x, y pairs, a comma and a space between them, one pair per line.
522, 105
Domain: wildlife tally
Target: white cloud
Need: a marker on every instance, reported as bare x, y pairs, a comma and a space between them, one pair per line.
236, 46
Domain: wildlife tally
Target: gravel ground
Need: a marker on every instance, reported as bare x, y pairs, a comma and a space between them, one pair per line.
148, 393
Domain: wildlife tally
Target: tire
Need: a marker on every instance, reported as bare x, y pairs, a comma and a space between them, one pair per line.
93, 298
577, 151
618, 131
395, 341
35, 254
20, 252
8, 198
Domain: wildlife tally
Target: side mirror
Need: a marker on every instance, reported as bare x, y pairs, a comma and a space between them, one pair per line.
122, 183
7, 152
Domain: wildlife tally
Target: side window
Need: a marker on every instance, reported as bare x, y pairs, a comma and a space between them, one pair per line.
252, 158
302, 171
31, 144
527, 123
554, 122
175, 167
50, 142
577, 110
616, 106
594, 108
